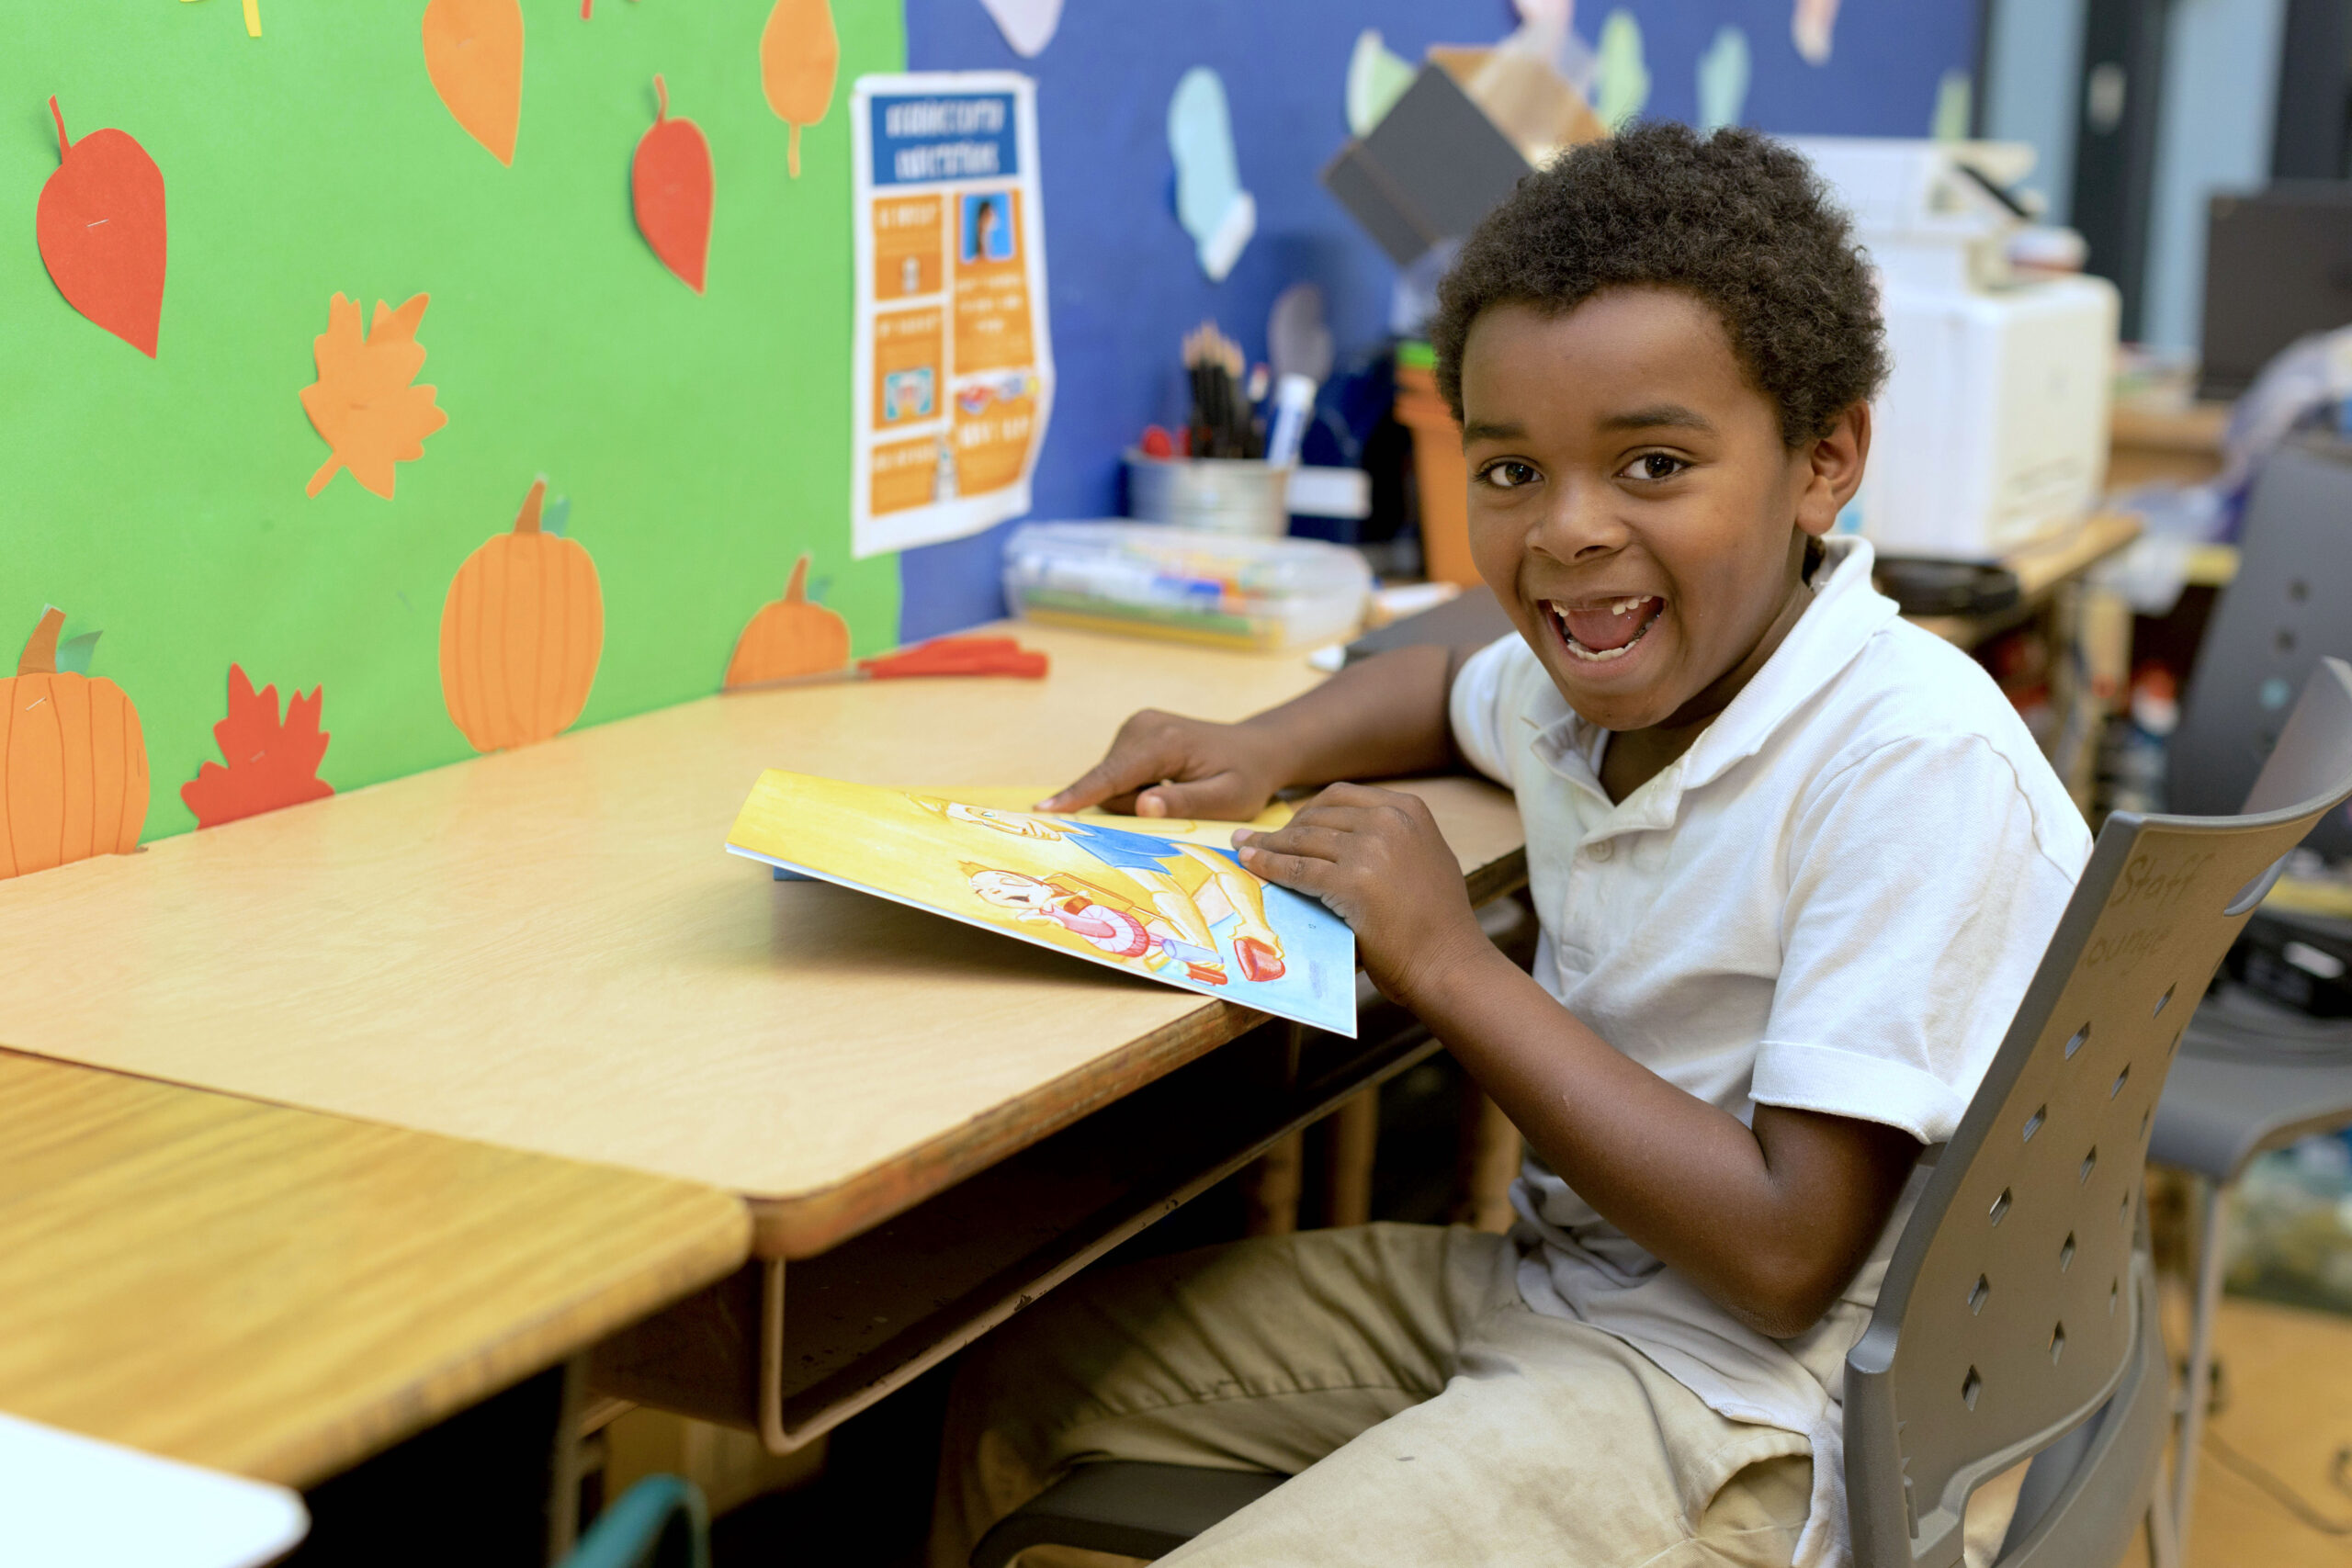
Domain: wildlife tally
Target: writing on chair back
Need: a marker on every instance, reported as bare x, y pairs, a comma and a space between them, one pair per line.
2011, 1304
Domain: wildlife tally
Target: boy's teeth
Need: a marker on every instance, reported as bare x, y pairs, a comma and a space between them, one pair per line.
1607, 630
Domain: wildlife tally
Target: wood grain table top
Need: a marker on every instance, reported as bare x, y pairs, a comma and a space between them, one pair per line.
550, 951
280, 1293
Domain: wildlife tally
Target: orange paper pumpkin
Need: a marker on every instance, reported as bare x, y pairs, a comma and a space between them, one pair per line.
520, 634
791, 636
74, 773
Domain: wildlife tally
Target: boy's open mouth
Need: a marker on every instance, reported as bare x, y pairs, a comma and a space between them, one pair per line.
1598, 630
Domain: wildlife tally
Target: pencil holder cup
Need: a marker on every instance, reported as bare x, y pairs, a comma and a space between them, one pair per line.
1223, 495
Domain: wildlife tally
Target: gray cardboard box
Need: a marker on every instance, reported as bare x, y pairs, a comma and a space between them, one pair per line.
1432, 168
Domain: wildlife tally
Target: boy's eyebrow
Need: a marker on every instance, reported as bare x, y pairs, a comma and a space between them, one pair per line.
1483, 430
1657, 414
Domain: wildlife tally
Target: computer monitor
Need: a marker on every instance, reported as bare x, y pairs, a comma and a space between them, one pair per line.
2277, 266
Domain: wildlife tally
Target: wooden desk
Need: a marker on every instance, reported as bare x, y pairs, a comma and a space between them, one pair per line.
2042, 569
550, 950
2153, 446
278, 1293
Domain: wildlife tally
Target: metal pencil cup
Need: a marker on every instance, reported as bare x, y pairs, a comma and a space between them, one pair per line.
1225, 495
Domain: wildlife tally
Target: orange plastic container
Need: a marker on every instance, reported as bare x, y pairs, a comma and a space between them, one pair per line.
1443, 473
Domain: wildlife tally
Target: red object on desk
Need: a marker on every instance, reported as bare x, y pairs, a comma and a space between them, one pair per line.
957, 656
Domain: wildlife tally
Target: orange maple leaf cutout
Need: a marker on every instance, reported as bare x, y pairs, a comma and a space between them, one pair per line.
362, 402
270, 764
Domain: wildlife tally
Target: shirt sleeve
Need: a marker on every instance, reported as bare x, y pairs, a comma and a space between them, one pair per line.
1481, 705
1924, 883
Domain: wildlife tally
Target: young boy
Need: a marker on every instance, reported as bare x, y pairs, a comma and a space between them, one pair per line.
1794, 861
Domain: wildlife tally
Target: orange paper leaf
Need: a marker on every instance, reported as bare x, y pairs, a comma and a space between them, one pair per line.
270, 764
473, 51
799, 54
362, 402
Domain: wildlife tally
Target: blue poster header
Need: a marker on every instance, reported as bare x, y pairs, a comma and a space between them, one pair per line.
925, 137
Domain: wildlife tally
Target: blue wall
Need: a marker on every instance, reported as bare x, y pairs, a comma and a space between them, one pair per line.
1123, 281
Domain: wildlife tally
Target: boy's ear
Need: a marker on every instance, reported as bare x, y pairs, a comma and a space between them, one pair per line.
1833, 470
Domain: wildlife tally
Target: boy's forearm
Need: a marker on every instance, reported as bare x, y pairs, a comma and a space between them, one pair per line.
1385, 717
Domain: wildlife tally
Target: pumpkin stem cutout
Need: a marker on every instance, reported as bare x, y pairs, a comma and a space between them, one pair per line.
521, 632
671, 186
100, 227
473, 51
362, 402
788, 638
799, 54
270, 764
73, 765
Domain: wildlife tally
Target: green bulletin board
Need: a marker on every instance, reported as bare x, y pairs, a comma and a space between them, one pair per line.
702, 441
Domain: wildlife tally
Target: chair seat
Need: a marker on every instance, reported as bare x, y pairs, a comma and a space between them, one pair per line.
1122, 1507
2250, 1078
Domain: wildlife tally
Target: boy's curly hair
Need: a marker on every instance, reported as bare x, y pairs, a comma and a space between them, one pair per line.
1737, 219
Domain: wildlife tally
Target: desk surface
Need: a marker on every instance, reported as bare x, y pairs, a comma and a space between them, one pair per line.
2040, 568
278, 1293
65, 1498
550, 948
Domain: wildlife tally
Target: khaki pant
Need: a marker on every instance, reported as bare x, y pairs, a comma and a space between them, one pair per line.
1430, 1416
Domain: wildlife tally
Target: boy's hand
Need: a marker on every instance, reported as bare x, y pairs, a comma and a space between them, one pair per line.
1164, 765
1375, 859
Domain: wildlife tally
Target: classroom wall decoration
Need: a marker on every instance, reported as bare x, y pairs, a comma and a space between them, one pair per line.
73, 763
799, 57
521, 632
100, 228
671, 184
1214, 210
793, 637
473, 51
266, 762
364, 403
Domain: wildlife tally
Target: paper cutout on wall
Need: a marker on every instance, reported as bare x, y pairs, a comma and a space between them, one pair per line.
521, 632
100, 228
1027, 25
473, 51
1954, 100
253, 18
799, 53
73, 765
362, 402
1216, 211
1624, 77
1811, 23
1723, 73
789, 637
1376, 79
270, 764
670, 181
74, 654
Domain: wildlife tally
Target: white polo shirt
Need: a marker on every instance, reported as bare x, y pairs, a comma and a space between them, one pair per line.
1833, 901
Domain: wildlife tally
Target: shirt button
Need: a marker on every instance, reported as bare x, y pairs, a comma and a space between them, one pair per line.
1601, 851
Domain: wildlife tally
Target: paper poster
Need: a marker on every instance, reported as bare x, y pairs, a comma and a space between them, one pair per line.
953, 375
1160, 899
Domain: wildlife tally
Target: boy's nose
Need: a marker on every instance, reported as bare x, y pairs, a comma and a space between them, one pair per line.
1582, 523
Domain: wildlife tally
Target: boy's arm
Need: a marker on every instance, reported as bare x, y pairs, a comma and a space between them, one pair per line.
1770, 1222
1380, 719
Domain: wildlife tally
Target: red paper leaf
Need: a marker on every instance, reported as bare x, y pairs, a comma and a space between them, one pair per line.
270, 764
100, 224
670, 182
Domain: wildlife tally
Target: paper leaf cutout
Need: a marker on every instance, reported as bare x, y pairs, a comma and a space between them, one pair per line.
555, 516
1954, 91
473, 51
670, 181
1216, 211
1376, 79
100, 227
1810, 24
1624, 77
74, 653
73, 763
362, 402
1724, 73
521, 632
789, 637
270, 764
799, 53
1027, 25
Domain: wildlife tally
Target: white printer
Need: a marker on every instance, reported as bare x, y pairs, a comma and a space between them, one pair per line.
1992, 430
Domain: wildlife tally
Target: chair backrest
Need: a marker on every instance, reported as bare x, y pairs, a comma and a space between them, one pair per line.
2007, 1310
2281, 614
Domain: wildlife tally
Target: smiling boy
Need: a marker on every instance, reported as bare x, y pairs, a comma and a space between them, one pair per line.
1794, 861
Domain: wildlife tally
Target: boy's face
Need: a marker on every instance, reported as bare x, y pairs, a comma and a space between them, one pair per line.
1631, 502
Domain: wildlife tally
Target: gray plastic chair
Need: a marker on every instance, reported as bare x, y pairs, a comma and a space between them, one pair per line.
2018, 1318
2251, 1078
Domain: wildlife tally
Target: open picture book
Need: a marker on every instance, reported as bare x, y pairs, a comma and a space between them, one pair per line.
1164, 899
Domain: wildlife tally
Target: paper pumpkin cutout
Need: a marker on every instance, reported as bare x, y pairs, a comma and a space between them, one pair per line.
473, 51
799, 54
100, 225
362, 402
521, 632
1724, 73
670, 181
1216, 211
73, 765
1624, 75
270, 764
790, 637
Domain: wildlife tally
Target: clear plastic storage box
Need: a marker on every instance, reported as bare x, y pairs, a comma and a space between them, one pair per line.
1220, 588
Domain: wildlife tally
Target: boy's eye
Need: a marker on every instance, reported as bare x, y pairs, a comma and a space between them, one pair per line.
1653, 465
1507, 474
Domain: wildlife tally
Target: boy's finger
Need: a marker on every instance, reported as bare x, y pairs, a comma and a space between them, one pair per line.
1301, 873
1119, 773
1307, 840
1220, 796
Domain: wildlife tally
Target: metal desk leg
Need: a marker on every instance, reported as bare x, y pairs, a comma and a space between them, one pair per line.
2212, 1242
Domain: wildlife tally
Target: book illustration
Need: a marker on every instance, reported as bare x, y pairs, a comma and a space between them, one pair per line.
1166, 899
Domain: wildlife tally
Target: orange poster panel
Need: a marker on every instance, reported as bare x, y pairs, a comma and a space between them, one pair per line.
910, 246
993, 442
909, 379
904, 474
991, 284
